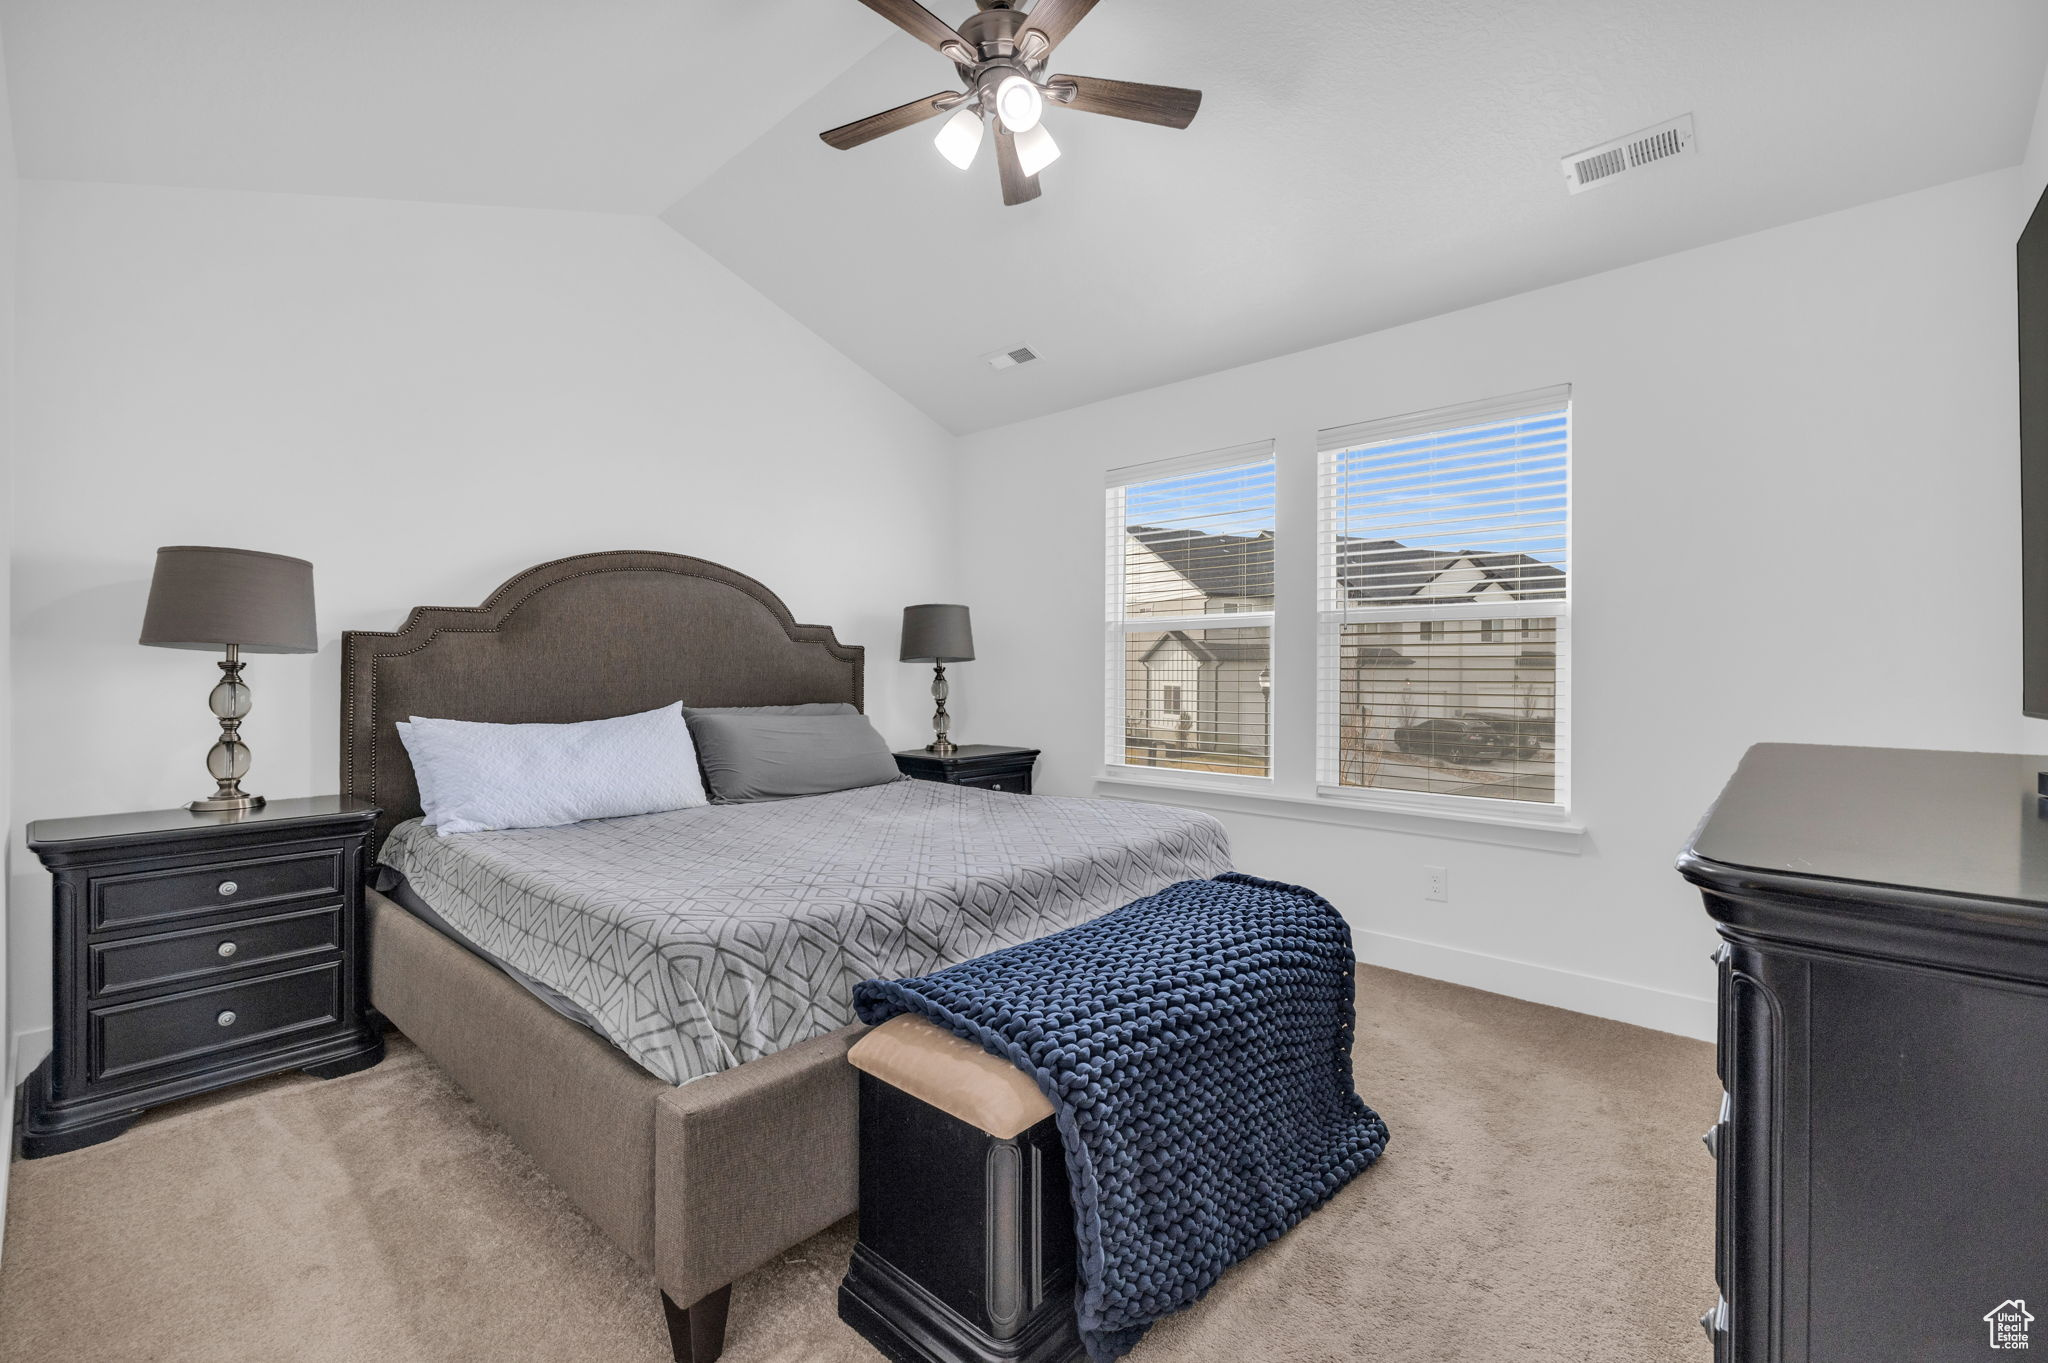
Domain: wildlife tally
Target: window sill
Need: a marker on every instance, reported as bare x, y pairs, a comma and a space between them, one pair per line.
1537, 833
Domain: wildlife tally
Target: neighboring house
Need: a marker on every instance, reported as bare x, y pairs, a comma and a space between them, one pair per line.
1398, 672
1201, 688
1204, 689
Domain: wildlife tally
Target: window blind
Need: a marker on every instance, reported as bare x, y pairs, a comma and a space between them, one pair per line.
1445, 574
1190, 613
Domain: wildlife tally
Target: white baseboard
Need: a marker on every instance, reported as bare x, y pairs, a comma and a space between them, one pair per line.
1641, 1005
6, 1162
30, 1046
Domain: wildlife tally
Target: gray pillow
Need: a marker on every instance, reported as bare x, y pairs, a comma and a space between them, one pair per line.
748, 755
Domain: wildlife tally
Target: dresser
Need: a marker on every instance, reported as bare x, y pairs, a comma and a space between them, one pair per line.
1882, 1146
984, 765
191, 951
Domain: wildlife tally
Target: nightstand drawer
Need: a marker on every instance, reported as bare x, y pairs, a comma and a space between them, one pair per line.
149, 896
1012, 783
175, 957
137, 1036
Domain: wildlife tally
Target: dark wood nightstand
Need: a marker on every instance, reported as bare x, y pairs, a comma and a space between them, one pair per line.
983, 765
192, 951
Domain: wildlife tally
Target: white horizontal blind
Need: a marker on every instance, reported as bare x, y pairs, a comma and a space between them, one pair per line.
1445, 612
1190, 614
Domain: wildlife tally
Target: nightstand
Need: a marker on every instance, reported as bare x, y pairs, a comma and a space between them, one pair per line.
193, 951
983, 765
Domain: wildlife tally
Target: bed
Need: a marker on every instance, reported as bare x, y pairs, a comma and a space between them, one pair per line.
712, 1127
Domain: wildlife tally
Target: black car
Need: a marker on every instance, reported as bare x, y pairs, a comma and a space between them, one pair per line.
1521, 736
1458, 741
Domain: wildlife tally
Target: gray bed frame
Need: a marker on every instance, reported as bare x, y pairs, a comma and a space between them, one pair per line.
702, 1183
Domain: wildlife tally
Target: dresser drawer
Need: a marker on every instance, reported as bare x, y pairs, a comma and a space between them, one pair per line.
151, 896
139, 1036
176, 957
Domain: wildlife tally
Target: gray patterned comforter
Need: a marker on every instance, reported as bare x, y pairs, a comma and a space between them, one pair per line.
707, 937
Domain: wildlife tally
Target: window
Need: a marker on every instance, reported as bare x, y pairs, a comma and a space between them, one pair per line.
1458, 520
1189, 540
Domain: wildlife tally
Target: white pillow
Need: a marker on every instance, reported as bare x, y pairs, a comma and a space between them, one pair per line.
475, 778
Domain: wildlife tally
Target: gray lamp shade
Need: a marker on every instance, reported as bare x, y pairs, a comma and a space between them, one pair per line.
209, 598
937, 634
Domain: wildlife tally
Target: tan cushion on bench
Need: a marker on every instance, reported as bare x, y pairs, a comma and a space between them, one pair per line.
952, 1074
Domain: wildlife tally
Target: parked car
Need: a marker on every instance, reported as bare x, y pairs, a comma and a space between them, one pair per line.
1460, 741
1522, 736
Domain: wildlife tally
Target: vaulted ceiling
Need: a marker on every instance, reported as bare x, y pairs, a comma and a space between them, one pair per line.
1357, 163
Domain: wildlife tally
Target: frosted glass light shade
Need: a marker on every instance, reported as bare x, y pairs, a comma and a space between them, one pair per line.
959, 138
1036, 150
1019, 104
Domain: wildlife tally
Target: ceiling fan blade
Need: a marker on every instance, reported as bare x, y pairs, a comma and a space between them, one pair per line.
894, 120
921, 24
1018, 188
1055, 19
1167, 105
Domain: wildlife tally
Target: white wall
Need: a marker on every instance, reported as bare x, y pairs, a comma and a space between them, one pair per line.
1795, 487
423, 400
8, 242
2033, 171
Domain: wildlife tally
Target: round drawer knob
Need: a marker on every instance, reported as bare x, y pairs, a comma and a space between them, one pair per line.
226, 949
228, 887
227, 1018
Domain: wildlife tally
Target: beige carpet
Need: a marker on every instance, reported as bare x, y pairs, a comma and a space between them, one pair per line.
1545, 1197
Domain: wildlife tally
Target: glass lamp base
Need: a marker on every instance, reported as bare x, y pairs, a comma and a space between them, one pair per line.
216, 804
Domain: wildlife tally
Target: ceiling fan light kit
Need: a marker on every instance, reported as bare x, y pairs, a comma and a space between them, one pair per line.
1035, 149
959, 139
1001, 55
1019, 104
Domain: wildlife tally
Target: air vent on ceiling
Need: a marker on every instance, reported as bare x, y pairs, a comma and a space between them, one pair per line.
1010, 359
1596, 166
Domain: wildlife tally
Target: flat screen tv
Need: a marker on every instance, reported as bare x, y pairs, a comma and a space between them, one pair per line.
2033, 271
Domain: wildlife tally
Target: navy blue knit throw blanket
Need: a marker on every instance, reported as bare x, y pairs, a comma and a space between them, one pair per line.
1196, 1046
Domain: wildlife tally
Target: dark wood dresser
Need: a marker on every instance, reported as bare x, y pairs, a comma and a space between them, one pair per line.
193, 951
1883, 1143
976, 764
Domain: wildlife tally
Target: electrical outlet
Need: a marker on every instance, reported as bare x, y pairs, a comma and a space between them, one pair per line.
1436, 884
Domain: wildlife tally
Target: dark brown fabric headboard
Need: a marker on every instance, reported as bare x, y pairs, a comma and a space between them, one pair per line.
580, 638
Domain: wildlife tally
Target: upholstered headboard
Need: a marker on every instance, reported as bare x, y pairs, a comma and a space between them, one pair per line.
580, 638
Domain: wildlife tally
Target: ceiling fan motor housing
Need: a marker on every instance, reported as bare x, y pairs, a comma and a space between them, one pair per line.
993, 33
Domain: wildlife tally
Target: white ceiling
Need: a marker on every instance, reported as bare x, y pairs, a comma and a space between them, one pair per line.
1357, 164
604, 105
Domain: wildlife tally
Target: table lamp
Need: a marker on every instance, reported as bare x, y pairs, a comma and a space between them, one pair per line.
243, 601
938, 635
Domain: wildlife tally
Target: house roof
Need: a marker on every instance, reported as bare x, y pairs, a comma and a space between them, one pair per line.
1372, 571
1377, 571
1220, 565
1212, 649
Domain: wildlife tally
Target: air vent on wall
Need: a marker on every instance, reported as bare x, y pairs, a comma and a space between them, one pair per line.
1010, 359
1596, 166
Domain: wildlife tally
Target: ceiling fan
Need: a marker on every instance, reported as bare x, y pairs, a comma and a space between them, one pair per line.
1001, 54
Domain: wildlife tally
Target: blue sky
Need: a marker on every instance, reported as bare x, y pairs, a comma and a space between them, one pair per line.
1497, 488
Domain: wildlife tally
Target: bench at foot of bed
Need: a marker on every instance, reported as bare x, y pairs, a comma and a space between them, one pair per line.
697, 1332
